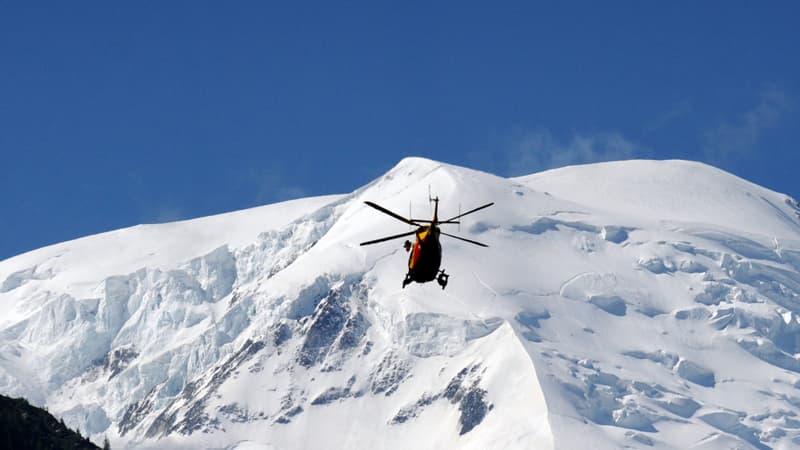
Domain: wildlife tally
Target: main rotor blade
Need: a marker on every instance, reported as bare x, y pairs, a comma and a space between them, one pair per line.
463, 239
469, 212
438, 222
395, 215
388, 238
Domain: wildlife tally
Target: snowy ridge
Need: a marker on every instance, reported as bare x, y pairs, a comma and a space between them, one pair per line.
640, 303
674, 191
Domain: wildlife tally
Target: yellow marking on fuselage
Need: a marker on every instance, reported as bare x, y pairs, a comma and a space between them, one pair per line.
424, 234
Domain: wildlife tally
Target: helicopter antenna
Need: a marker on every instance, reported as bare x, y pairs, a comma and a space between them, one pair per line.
430, 198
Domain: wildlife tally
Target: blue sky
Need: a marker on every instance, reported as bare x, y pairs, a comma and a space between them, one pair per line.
119, 113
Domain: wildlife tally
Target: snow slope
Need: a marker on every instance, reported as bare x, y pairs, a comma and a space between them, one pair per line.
641, 304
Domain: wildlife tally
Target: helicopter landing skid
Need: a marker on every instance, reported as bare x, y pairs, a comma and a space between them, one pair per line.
407, 280
442, 279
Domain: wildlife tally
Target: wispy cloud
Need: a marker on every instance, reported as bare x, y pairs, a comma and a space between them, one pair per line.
269, 185
541, 150
678, 111
151, 206
167, 213
740, 138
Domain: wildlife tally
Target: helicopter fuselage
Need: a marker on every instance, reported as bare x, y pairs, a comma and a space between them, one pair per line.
426, 255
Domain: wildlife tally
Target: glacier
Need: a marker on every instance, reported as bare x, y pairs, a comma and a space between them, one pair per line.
630, 304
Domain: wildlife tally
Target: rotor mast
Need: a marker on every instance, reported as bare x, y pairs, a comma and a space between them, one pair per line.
435, 201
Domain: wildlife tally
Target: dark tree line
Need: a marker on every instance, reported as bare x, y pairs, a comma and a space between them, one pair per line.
23, 426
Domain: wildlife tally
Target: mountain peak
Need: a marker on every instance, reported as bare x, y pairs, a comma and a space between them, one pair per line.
418, 162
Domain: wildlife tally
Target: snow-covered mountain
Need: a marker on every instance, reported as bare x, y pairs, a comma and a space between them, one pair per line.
641, 304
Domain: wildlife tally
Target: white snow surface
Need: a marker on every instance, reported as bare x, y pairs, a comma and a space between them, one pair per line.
633, 304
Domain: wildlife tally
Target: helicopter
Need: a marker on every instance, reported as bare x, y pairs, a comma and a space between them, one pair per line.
426, 253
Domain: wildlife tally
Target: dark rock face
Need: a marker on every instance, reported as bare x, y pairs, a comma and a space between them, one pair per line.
336, 324
195, 419
389, 374
290, 406
470, 399
281, 333
286, 418
335, 393
135, 413
453, 390
328, 321
161, 425
354, 329
237, 414
118, 359
412, 411
473, 409
463, 390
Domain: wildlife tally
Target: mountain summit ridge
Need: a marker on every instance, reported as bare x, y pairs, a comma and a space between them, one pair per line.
609, 311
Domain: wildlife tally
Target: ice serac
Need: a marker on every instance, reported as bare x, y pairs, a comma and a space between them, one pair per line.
635, 304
